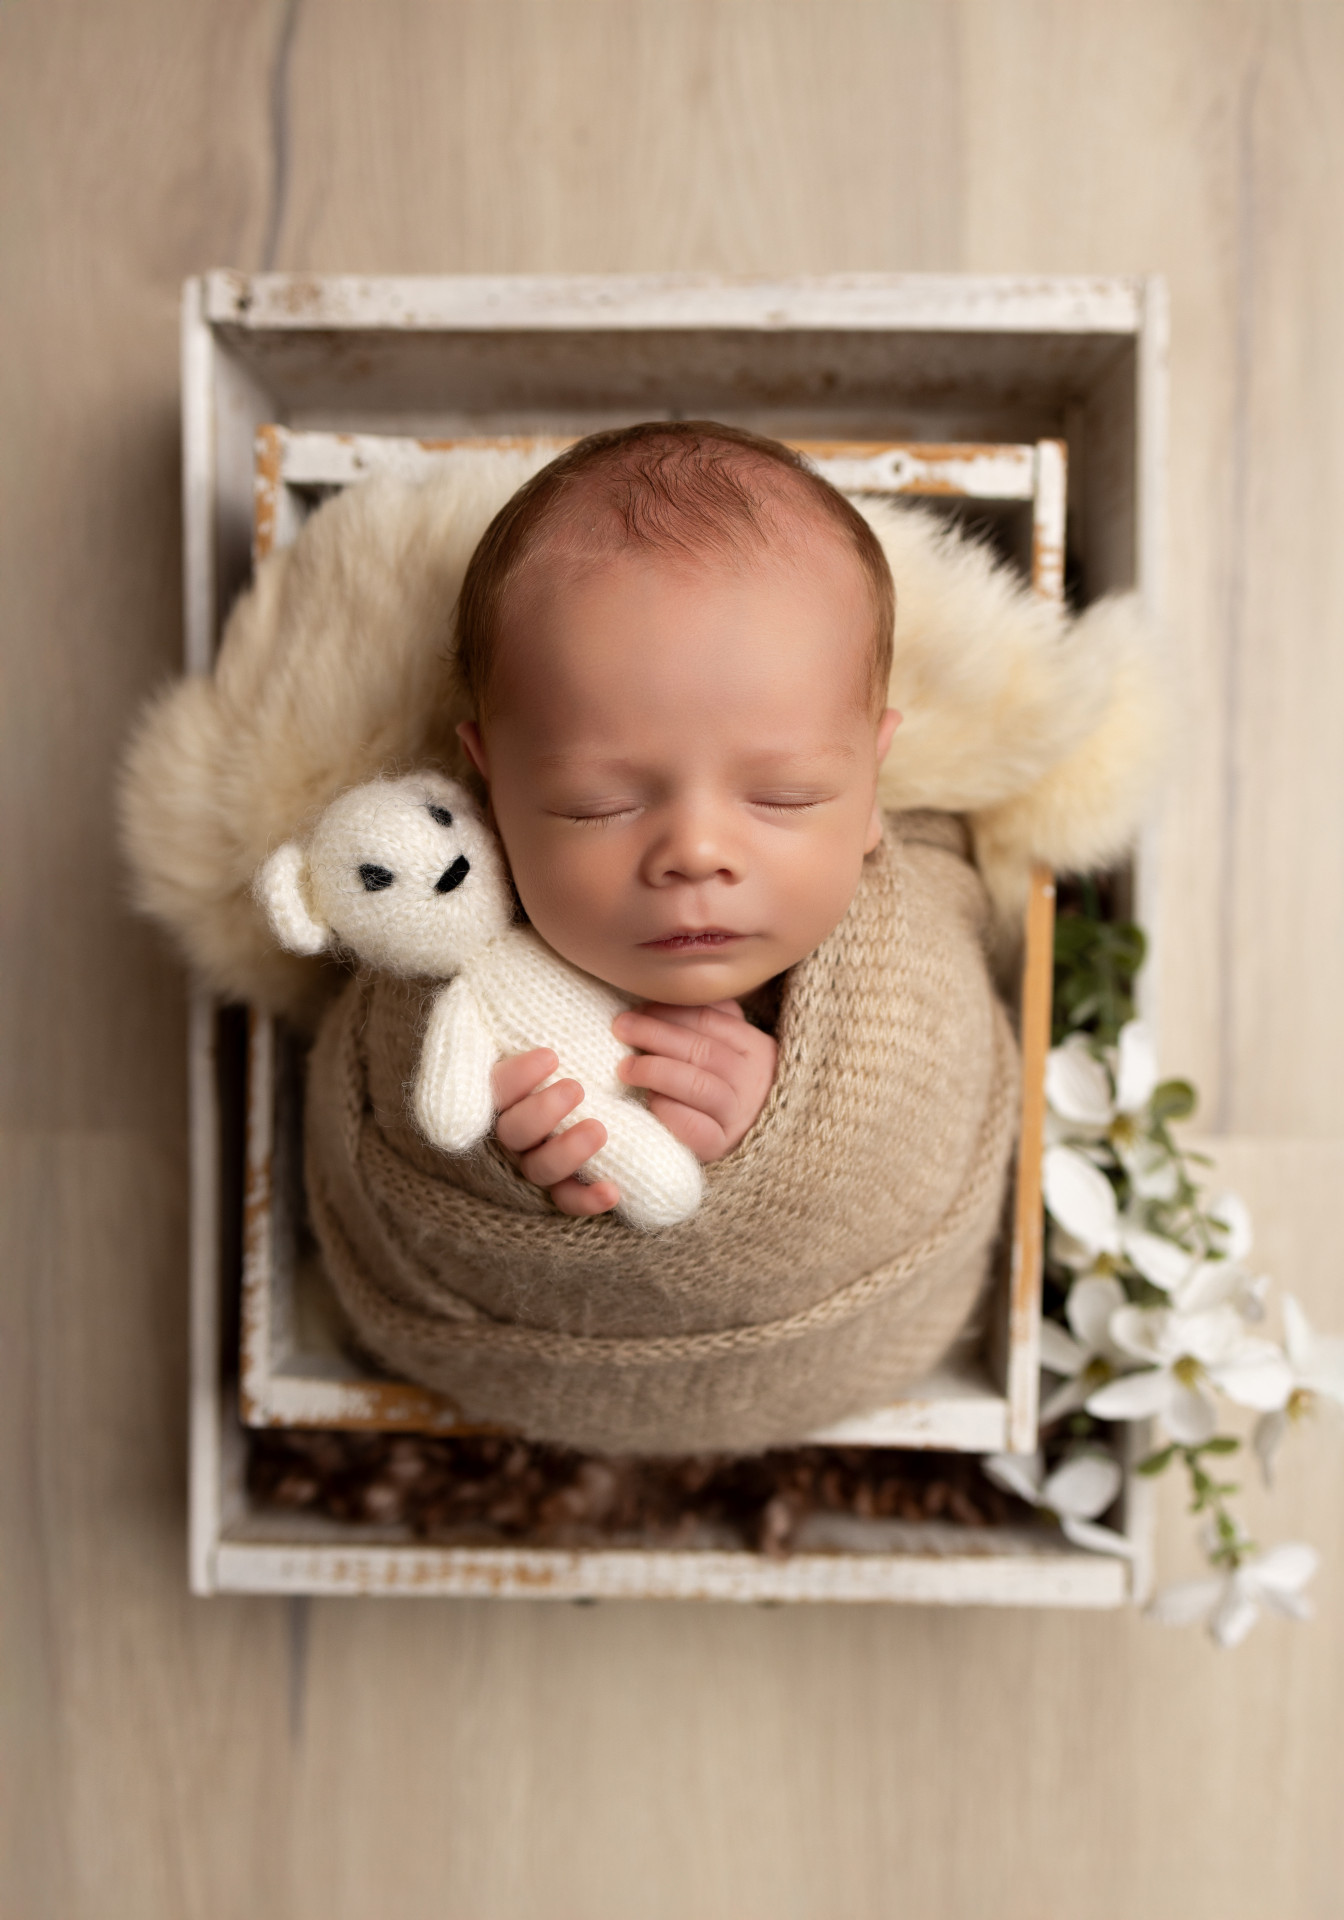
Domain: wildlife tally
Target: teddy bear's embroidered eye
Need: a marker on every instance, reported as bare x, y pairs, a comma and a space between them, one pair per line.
441, 814
453, 876
376, 878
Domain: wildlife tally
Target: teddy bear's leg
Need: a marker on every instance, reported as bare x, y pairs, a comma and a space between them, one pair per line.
661, 1181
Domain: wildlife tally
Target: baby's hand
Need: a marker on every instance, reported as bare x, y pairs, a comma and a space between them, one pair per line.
708, 1071
528, 1119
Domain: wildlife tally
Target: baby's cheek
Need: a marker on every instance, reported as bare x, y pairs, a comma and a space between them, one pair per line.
570, 894
814, 894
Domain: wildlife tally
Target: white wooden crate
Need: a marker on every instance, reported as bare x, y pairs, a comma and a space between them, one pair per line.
373, 373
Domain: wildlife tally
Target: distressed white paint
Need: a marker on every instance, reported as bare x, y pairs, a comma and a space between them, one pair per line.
936, 302
197, 347
206, 1411
1005, 1573
314, 458
980, 473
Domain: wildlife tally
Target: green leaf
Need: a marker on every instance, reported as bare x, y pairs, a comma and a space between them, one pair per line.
1173, 1100
1156, 1462
1220, 1443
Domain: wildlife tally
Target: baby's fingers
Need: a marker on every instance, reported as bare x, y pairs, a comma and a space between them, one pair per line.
680, 1080
705, 1137
576, 1198
676, 1040
521, 1074
563, 1154
532, 1119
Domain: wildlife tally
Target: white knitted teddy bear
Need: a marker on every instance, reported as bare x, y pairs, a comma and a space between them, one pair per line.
406, 875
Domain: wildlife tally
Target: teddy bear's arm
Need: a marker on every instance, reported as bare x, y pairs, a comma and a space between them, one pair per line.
454, 1102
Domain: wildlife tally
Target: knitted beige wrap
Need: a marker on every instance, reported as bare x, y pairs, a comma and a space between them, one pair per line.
839, 1250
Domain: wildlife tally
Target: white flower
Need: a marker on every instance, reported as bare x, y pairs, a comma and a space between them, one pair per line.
1076, 1492
1166, 1263
1190, 1354
1316, 1367
1082, 1203
1231, 1602
1081, 1089
1081, 1199
1215, 1283
1230, 1212
1087, 1357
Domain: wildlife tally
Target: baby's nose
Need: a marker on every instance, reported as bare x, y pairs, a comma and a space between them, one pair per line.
453, 876
695, 849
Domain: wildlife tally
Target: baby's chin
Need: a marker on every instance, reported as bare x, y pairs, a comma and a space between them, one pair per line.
689, 980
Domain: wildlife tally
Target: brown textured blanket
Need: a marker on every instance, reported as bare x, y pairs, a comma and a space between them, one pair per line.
840, 1248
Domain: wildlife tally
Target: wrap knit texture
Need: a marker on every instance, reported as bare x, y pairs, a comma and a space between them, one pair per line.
839, 1250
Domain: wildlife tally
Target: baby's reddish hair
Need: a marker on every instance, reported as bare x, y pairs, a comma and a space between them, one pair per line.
684, 487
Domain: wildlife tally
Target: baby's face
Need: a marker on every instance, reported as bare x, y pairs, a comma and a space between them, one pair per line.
682, 760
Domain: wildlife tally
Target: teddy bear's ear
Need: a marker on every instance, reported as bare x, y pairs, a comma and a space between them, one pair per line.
279, 888
448, 793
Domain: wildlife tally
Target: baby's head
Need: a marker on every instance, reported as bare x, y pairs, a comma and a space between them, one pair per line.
675, 641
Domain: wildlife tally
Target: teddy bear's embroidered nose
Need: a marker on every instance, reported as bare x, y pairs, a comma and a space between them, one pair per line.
453, 876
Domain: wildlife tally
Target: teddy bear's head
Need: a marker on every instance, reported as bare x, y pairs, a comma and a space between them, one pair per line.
404, 874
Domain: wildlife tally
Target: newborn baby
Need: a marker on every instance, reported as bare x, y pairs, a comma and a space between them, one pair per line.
675, 641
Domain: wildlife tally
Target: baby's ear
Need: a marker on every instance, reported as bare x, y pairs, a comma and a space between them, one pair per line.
280, 887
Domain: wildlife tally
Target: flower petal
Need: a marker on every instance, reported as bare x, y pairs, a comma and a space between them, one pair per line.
1153, 1174
1157, 1258
1084, 1486
1209, 1283
1230, 1212
1267, 1437
1091, 1303
1285, 1568
1297, 1333
1081, 1199
1019, 1473
1077, 1085
1190, 1416
1261, 1378
1146, 1333
1251, 1299
1135, 1397
1069, 1252
1213, 1335
1135, 1067
1060, 1352
1066, 1398
1317, 1358
1234, 1616
1295, 1605
1188, 1600
1086, 1533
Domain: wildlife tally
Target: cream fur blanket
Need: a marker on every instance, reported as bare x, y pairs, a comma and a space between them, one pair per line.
1044, 730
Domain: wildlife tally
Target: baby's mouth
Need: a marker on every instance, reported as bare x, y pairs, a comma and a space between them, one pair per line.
693, 940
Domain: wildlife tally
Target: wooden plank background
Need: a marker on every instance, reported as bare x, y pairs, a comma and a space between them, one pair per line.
197, 1760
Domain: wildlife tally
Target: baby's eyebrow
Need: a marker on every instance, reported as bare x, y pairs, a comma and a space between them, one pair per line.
587, 762
822, 759
761, 759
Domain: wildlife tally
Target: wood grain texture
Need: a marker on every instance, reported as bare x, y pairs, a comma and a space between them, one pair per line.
160, 1757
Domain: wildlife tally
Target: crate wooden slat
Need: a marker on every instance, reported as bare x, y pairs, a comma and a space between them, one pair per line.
932, 360
1006, 1571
